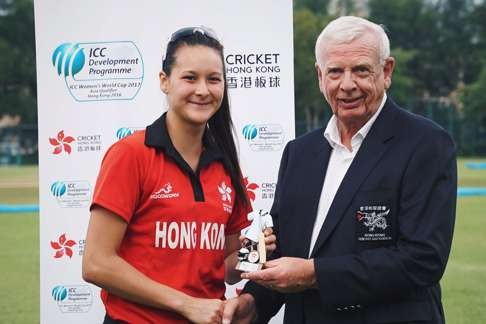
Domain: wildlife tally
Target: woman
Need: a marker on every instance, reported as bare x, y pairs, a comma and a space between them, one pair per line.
169, 201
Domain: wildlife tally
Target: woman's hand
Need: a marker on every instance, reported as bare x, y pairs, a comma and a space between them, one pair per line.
239, 310
204, 311
270, 240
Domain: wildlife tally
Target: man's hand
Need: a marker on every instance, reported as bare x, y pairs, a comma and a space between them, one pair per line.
239, 310
285, 275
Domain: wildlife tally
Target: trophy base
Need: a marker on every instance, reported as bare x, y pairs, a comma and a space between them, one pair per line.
248, 266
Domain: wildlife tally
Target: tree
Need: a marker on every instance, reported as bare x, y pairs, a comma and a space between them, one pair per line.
455, 47
309, 102
478, 30
474, 110
315, 6
404, 86
411, 25
17, 61
343, 7
441, 33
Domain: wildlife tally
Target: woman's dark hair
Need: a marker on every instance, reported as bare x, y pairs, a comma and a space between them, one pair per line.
220, 125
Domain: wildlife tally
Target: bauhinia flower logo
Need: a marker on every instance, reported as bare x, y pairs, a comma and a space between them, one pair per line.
250, 187
225, 192
63, 246
61, 143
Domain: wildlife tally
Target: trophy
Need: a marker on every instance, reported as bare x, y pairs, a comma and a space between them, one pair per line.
252, 254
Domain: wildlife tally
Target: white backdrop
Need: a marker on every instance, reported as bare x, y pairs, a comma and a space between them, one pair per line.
97, 77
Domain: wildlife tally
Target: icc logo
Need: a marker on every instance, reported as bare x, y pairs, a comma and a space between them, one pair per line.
123, 132
59, 293
250, 131
58, 189
97, 52
68, 59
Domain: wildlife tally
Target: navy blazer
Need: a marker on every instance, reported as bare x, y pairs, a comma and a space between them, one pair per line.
386, 239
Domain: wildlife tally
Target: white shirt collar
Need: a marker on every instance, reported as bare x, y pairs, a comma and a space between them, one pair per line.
334, 138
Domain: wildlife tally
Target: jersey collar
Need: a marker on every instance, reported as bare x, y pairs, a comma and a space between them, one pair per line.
157, 136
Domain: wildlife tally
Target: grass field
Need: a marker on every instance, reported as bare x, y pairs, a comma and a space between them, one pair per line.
464, 283
19, 264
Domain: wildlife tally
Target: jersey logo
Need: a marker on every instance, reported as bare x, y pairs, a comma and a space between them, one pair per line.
165, 192
225, 192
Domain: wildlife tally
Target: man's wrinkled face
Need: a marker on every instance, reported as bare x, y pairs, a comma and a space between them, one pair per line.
353, 80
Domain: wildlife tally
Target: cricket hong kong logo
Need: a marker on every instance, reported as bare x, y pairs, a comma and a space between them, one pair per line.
267, 190
225, 192
250, 189
63, 247
61, 143
373, 217
166, 192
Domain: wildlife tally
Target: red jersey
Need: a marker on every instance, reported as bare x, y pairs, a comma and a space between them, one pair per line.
177, 218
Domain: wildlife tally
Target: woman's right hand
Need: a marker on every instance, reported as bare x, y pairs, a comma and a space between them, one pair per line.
270, 241
204, 311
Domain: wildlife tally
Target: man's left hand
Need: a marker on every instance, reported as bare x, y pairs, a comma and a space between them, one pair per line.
285, 275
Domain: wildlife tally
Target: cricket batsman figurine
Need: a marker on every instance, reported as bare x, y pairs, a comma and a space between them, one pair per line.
252, 255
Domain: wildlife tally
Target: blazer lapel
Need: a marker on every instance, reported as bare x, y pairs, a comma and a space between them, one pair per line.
370, 152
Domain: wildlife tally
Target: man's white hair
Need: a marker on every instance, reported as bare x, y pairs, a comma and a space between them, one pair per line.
346, 29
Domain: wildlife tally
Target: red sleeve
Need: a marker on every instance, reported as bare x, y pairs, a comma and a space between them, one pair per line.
239, 219
118, 184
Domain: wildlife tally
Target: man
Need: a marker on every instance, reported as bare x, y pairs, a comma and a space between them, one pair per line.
364, 210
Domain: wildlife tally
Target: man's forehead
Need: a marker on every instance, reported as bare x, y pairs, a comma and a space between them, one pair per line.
366, 44
350, 61
354, 53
